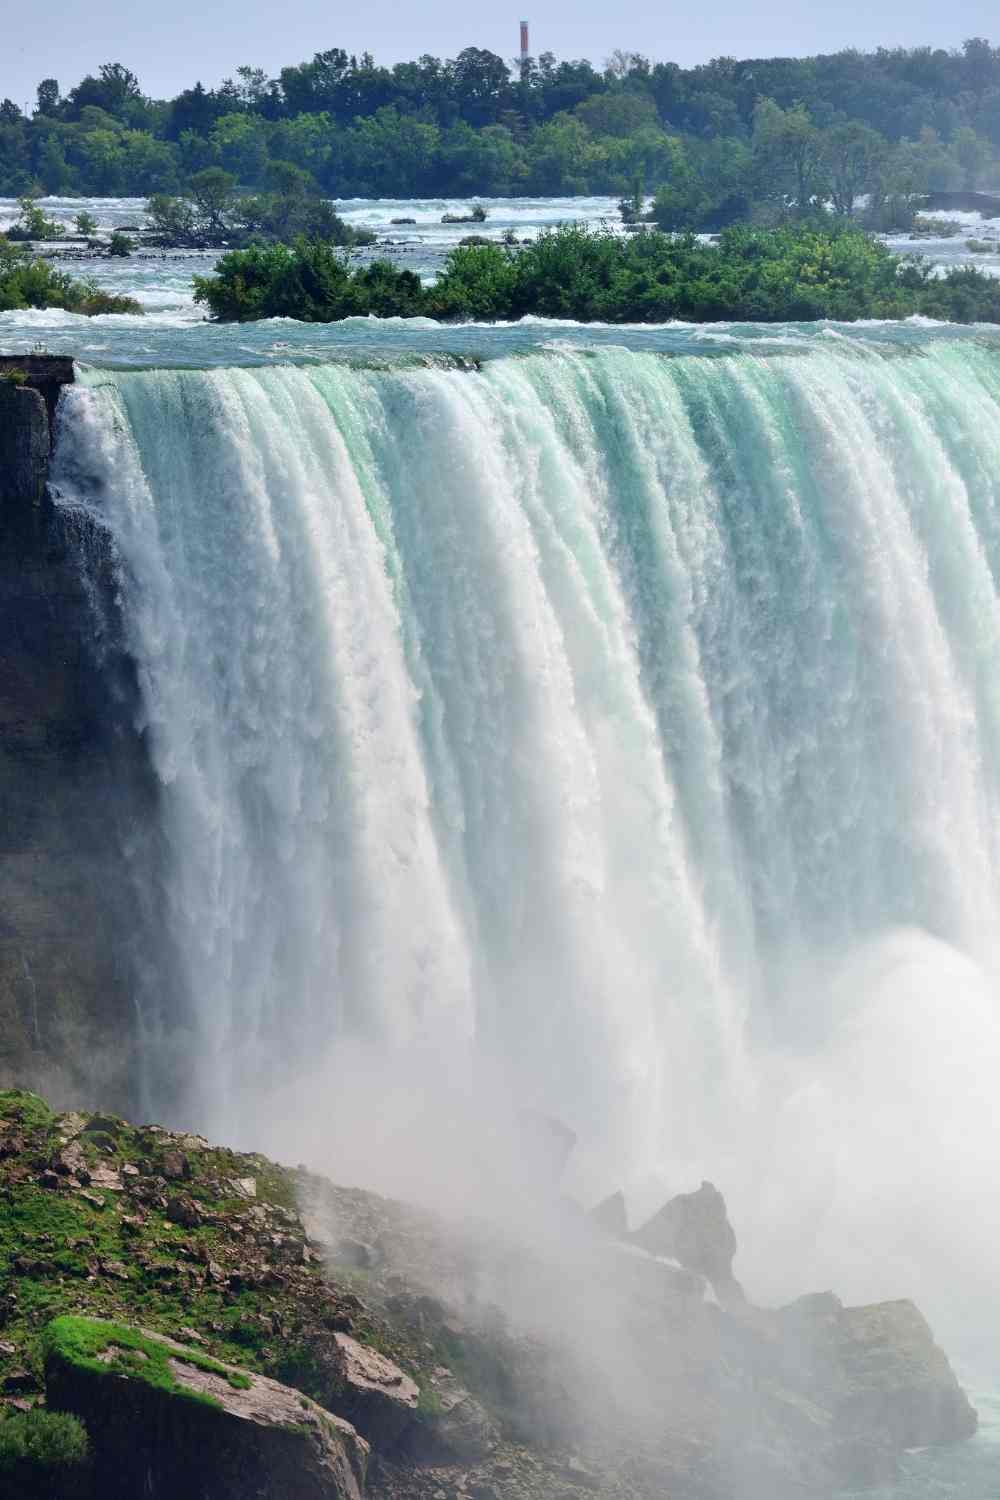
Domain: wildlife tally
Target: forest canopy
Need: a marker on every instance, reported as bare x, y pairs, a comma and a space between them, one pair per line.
716, 143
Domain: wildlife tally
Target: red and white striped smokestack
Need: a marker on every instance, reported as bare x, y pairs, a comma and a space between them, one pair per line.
524, 42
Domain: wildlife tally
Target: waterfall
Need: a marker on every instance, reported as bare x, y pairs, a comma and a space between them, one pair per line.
629, 722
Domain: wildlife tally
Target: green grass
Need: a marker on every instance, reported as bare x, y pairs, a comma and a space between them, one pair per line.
25, 1108
42, 1437
80, 1342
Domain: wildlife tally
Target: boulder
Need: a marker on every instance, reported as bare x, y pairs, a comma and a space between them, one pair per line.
373, 1393
165, 1421
895, 1380
878, 1375
694, 1229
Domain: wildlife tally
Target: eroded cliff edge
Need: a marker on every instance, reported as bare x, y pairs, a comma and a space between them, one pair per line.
74, 786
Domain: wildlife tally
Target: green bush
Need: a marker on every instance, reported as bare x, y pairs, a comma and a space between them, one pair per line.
26, 282
32, 223
796, 273
43, 1455
120, 244
307, 280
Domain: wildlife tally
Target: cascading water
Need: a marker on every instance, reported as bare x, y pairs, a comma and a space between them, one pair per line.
628, 723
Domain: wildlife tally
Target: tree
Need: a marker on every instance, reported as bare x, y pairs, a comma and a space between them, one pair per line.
559, 157
852, 158
973, 155
242, 146
394, 153
115, 90
617, 114
214, 195
47, 97
481, 84
786, 155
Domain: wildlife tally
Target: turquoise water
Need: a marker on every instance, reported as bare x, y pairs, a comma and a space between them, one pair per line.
610, 715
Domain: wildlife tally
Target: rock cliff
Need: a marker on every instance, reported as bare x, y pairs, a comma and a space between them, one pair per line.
73, 778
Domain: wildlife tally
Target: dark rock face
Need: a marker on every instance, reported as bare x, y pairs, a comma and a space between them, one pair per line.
255, 1438
24, 457
74, 783
695, 1229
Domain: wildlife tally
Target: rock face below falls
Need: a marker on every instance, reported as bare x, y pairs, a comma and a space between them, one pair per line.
73, 779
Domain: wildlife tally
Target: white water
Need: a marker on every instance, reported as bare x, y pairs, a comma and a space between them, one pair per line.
620, 730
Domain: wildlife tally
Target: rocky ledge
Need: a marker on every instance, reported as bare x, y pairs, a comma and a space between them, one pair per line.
181, 1319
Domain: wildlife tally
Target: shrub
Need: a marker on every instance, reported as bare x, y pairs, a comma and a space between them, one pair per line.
26, 282
795, 273
86, 224
120, 244
43, 1454
32, 223
307, 280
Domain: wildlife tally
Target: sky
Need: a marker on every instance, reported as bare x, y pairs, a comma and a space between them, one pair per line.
175, 42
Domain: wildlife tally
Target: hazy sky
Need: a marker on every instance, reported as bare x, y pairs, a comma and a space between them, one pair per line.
175, 42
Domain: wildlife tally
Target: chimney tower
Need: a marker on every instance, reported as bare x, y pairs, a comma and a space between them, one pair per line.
524, 43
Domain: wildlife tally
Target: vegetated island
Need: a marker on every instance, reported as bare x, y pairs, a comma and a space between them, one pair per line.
797, 273
181, 1320
29, 282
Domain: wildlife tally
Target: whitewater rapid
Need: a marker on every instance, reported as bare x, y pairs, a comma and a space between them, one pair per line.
624, 726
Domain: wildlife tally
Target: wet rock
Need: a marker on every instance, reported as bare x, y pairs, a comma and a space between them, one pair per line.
461, 1432
175, 1165
70, 1162
355, 1254
610, 1216
183, 1210
103, 1176
24, 455
252, 1436
694, 1229
241, 1187
896, 1381
376, 1396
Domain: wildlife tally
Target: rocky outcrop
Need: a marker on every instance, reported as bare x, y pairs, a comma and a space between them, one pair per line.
75, 788
610, 1217
877, 1370
473, 1362
373, 1392
694, 1229
165, 1421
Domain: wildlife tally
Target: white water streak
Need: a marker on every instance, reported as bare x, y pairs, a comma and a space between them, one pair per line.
588, 711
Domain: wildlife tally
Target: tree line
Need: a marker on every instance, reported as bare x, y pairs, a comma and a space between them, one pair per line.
722, 141
798, 272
